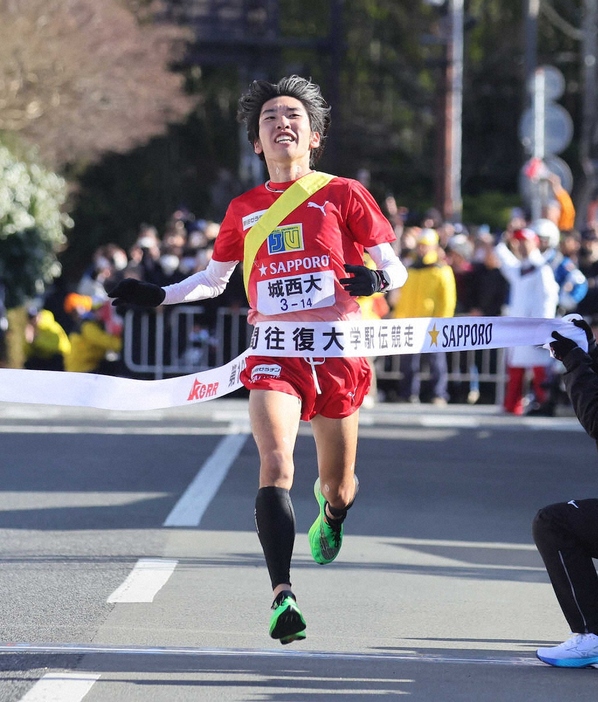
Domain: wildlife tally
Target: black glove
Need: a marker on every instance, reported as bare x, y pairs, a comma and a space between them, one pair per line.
562, 346
364, 282
582, 324
136, 292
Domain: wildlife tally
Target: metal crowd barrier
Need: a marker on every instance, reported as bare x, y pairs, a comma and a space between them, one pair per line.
172, 341
470, 369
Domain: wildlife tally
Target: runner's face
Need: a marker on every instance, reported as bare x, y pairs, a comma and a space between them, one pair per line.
285, 135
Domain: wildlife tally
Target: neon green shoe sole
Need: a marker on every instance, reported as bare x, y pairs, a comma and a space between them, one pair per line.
299, 636
287, 622
324, 541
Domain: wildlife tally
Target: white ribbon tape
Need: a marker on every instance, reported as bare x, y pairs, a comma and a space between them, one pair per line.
322, 339
389, 337
107, 392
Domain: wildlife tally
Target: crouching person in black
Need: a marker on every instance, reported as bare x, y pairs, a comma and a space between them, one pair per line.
566, 534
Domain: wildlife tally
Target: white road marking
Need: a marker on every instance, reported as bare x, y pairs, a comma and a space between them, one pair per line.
114, 431
190, 508
464, 544
52, 500
366, 421
82, 649
449, 421
145, 580
61, 687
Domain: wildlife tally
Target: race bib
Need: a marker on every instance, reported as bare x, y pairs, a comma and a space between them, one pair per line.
296, 293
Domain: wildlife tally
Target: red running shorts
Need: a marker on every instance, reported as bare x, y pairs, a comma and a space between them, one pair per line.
344, 382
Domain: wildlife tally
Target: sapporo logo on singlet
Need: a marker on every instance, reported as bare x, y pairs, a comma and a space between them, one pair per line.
286, 239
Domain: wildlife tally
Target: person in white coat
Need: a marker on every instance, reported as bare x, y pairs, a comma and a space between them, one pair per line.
534, 292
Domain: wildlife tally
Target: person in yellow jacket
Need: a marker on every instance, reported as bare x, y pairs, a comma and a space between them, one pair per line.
93, 349
46, 343
430, 291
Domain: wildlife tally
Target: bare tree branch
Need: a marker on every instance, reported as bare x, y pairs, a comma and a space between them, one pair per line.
559, 22
80, 77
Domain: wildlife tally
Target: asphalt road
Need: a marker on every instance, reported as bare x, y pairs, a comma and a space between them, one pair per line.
130, 569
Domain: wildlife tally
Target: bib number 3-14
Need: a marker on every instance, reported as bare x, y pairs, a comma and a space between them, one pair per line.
295, 293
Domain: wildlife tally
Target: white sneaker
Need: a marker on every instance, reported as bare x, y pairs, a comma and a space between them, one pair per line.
473, 396
580, 651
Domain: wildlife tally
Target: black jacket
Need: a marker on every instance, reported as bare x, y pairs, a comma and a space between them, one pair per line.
581, 383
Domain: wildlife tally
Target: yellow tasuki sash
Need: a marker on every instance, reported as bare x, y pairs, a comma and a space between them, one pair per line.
291, 199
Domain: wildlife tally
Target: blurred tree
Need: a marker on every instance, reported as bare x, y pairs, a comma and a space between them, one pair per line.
32, 227
81, 78
493, 97
388, 94
380, 65
147, 184
383, 103
31, 234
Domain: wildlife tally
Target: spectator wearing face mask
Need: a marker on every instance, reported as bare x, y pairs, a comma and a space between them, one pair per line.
106, 269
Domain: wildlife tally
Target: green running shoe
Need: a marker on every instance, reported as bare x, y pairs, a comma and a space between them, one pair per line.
287, 622
325, 540
299, 636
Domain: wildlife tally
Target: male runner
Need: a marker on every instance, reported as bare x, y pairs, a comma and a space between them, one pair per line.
299, 273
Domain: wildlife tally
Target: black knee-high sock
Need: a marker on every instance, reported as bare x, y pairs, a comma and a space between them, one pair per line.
275, 524
339, 514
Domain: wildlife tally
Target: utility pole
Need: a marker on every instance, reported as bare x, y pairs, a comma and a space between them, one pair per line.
588, 143
451, 202
532, 78
456, 61
530, 40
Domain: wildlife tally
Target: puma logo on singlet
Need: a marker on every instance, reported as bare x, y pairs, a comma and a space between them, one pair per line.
320, 207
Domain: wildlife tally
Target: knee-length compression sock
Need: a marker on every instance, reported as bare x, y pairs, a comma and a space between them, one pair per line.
275, 525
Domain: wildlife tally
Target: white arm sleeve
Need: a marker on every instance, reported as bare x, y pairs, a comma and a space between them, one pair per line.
510, 265
200, 286
386, 260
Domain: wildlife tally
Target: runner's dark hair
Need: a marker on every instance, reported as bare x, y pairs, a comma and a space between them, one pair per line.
260, 91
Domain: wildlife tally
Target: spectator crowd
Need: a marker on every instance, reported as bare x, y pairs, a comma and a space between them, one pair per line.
80, 331
540, 268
